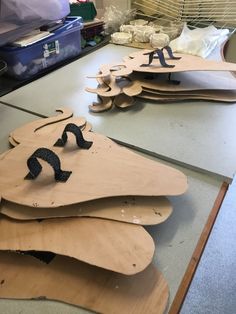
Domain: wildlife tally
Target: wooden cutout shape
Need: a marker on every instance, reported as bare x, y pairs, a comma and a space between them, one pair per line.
137, 210
36, 125
113, 90
12, 141
123, 101
46, 126
198, 92
45, 130
101, 83
104, 105
104, 170
73, 282
2, 156
122, 85
127, 86
104, 71
21, 135
159, 97
117, 246
133, 88
186, 63
188, 81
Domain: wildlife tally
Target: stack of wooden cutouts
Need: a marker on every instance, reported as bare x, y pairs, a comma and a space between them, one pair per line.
73, 207
161, 76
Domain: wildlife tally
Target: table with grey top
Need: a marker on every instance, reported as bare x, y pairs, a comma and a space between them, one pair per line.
177, 237
195, 134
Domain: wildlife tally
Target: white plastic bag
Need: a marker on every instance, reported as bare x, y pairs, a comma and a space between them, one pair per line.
31, 10
114, 18
200, 41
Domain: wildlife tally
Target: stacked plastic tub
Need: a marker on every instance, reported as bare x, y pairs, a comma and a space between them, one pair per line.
63, 44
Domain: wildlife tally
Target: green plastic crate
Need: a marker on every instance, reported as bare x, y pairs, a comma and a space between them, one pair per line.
86, 10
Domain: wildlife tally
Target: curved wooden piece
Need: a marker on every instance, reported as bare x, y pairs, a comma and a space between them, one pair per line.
29, 129
58, 127
104, 71
223, 95
102, 85
113, 89
48, 129
106, 168
228, 97
186, 63
94, 90
136, 210
104, 105
189, 81
3, 155
120, 247
158, 98
123, 101
73, 282
88, 127
133, 88
101, 81
12, 141
128, 87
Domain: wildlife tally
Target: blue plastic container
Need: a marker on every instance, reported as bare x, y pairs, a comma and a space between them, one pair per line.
25, 62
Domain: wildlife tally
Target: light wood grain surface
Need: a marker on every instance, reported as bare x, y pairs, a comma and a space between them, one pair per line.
104, 170
73, 282
120, 247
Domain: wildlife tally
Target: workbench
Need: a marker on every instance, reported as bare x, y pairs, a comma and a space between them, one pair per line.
196, 134
194, 137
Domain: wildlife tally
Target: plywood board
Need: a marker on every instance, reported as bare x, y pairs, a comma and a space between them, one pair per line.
46, 126
137, 210
139, 62
73, 282
188, 81
167, 98
160, 130
211, 93
123, 101
116, 87
106, 168
186, 63
104, 105
120, 247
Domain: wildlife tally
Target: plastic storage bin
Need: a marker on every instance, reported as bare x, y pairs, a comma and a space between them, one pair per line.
25, 62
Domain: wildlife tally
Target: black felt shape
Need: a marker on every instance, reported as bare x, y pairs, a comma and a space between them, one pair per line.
157, 54
170, 53
52, 159
174, 82
73, 128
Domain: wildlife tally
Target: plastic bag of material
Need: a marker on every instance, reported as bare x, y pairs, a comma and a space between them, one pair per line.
114, 18
199, 41
22, 11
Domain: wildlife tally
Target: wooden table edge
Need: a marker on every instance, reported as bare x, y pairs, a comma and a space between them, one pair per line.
199, 249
